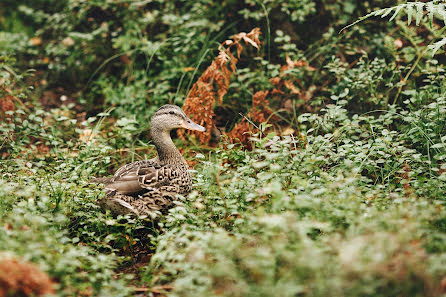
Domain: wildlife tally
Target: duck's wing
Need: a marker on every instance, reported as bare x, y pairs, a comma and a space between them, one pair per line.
124, 170
138, 176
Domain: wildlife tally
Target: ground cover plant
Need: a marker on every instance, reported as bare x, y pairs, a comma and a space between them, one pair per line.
322, 172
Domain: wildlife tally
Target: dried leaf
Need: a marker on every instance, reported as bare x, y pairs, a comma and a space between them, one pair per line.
35, 41
248, 40
289, 84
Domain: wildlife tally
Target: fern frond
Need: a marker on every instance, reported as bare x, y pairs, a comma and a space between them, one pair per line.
409, 13
432, 8
397, 10
419, 14
437, 45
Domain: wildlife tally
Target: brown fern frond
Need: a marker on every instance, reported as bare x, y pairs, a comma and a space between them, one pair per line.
19, 278
287, 86
6, 101
283, 81
406, 178
259, 113
213, 84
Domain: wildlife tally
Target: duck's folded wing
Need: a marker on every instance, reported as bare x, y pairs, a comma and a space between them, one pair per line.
134, 166
125, 184
139, 176
154, 177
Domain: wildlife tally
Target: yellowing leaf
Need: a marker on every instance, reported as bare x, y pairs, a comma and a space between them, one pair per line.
35, 41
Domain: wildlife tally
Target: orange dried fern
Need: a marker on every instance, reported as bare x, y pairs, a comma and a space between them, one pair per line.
291, 86
259, 113
285, 89
214, 83
19, 278
6, 101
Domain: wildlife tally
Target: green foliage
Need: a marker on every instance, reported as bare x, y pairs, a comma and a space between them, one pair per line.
295, 10
368, 82
33, 231
48, 212
137, 56
340, 214
351, 203
414, 10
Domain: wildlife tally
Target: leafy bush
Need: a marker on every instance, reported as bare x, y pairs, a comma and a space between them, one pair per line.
33, 231
340, 193
342, 212
137, 56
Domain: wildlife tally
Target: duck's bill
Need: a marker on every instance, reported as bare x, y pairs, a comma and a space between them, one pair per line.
193, 126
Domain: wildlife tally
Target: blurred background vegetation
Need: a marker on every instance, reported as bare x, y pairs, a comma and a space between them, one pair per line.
138, 55
341, 192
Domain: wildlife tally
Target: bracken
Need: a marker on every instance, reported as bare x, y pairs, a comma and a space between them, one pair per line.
214, 83
259, 113
19, 278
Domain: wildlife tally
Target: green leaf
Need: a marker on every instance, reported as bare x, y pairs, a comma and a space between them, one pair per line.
378, 12
442, 12
397, 10
388, 11
431, 8
437, 45
419, 14
409, 13
438, 145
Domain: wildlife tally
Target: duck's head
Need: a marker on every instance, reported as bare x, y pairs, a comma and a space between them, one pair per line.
169, 117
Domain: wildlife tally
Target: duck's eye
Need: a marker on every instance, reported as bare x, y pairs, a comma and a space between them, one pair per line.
188, 121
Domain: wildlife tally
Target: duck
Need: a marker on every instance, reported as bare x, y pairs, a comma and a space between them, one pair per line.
149, 187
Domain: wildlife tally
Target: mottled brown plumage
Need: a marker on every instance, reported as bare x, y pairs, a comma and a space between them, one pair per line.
148, 187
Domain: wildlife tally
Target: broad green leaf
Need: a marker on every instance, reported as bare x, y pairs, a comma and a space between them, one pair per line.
438, 145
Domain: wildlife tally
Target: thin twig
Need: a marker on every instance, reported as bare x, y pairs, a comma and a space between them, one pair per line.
403, 83
249, 121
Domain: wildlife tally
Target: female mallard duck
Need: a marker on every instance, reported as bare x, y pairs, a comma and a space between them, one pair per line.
149, 186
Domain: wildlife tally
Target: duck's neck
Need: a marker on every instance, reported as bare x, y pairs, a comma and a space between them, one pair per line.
167, 151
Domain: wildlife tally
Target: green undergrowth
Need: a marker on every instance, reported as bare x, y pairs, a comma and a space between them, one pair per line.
353, 209
353, 205
45, 203
345, 198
